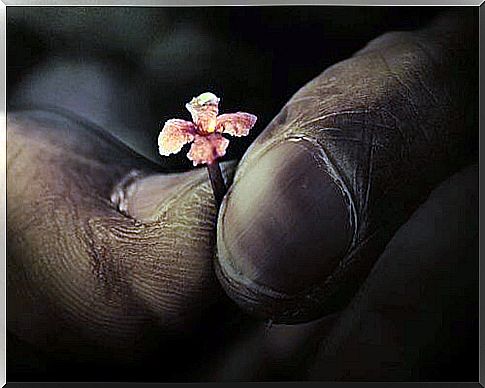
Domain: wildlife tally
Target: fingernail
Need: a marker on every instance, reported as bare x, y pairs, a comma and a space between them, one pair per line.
143, 197
285, 224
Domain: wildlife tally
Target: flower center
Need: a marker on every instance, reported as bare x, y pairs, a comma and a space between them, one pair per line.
211, 127
206, 123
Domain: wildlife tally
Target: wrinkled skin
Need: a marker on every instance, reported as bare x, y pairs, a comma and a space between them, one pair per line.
385, 126
110, 258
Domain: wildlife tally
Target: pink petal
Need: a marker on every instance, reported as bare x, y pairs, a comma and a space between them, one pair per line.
206, 149
236, 124
174, 135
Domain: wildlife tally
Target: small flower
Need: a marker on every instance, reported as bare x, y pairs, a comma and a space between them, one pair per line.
205, 130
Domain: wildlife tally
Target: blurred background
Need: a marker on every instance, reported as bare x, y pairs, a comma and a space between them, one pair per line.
153, 60
106, 63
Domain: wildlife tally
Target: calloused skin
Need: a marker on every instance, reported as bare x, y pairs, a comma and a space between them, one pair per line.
108, 258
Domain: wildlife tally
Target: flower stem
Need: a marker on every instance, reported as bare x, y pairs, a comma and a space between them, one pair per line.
217, 182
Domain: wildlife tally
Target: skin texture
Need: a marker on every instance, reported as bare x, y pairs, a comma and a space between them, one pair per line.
415, 318
78, 269
112, 258
373, 134
415, 298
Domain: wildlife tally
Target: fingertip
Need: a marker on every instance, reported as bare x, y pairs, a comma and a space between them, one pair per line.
282, 229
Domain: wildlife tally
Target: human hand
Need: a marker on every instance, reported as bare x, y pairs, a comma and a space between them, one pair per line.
343, 166
93, 277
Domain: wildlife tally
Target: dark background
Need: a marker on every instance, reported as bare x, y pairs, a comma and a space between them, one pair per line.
255, 58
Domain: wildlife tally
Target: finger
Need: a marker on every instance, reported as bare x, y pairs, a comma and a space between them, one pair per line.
82, 273
319, 194
416, 317
271, 352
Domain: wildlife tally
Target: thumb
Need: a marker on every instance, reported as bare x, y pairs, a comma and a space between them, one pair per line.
351, 155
